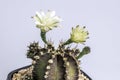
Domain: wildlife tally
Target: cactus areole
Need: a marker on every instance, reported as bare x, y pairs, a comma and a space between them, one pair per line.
49, 63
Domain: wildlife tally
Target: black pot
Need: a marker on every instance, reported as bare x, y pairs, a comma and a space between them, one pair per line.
10, 75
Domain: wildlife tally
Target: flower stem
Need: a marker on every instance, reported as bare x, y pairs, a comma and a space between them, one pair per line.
43, 36
67, 42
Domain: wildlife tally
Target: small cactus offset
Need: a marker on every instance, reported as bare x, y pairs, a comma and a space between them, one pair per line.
50, 63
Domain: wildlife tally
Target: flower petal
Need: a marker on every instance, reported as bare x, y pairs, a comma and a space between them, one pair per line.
79, 34
46, 21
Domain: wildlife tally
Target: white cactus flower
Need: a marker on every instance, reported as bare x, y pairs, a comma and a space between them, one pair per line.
46, 21
79, 34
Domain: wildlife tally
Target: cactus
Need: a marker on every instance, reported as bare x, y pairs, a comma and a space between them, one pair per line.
61, 63
55, 64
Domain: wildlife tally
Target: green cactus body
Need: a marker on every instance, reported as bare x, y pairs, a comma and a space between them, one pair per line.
40, 67
51, 64
72, 68
57, 70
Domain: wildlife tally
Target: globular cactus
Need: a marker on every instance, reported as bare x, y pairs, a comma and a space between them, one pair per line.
55, 64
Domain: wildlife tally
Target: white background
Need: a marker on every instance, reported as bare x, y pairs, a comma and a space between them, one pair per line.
101, 18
